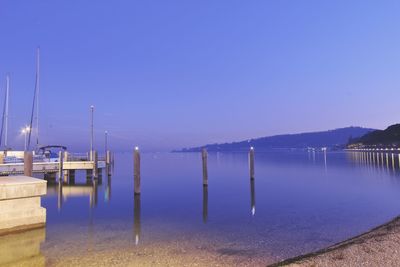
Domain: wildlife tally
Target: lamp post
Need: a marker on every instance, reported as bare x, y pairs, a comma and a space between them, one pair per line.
91, 130
106, 141
25, 131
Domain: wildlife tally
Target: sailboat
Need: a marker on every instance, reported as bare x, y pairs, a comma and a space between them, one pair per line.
41, 152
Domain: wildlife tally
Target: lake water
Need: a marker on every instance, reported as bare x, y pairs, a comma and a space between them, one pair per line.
299, 202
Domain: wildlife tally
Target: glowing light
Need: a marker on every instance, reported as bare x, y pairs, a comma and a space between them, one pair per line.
136, 148
25, 129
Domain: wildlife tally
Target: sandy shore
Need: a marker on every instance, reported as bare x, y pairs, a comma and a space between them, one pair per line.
378, 247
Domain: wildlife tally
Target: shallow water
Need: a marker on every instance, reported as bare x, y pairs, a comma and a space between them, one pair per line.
299, 202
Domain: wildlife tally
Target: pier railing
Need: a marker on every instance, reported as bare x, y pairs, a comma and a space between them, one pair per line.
77, 157
15, 162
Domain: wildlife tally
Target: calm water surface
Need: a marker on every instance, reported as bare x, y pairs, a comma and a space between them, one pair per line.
299, 202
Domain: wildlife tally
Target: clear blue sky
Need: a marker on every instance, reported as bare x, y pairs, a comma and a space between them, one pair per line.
170, 74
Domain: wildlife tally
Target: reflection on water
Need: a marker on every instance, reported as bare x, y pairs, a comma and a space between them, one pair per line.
205, 203
302, 205
253, 197
107, 193
379, 161
22, 249
69, 188
136, 218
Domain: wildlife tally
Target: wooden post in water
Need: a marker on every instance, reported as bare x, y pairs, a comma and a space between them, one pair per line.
108, 162
89, 174
60, 166
71, 176
251, 162
66, 172
136, 170
28, 163
204, 156
95, 164
108, 157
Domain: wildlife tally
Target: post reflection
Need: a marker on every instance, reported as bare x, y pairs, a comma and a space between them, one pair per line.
22, 249
136, 218
205, 203
71, 189
253, 197
59, 195
94, 194
107, 193
325, 162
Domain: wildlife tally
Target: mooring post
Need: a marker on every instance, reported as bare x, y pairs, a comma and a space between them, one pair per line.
108, 157
89, 175
108, 163
66, 172
136, 171
204, 156
71, 176
95, 164
28, 163
251, 162
60, 165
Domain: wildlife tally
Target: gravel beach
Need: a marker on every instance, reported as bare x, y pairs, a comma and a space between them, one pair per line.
378, 247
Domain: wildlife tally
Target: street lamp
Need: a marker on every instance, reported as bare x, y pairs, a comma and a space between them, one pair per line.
91, 129
106, 141
25, 131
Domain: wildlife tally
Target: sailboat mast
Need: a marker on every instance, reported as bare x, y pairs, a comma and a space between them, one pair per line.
37, 95
6, 111
35, 102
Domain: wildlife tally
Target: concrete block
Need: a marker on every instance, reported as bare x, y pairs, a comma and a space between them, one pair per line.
21, 186
20, 203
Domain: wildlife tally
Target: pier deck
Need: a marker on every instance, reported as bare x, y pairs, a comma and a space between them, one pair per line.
50, 167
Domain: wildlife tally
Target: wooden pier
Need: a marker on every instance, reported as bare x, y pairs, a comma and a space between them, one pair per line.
70, 162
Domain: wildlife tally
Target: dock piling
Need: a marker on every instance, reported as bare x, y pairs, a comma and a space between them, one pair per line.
136, 163
204, 156
60, 165
28, 163
65, 172
251, 162
95, 164
108, 163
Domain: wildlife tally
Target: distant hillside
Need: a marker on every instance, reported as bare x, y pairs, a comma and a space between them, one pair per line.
337, 138
388, 137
